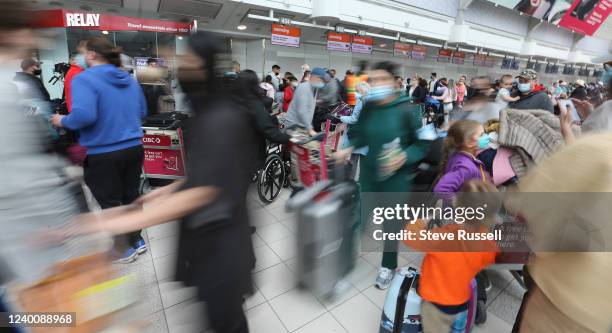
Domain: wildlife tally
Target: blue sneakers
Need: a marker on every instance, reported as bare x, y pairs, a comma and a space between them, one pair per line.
126, 257
141, 246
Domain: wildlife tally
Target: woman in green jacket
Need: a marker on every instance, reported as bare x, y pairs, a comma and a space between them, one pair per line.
388, 126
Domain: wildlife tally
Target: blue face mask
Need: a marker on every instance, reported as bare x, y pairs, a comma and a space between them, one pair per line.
380, 93
80, 61
318, 85
524, 87
483, 141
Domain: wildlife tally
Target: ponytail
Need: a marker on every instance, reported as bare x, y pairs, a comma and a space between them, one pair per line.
456, 137
105, 49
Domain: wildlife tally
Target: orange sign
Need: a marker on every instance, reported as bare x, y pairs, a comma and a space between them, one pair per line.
362, 44
444, 55
338, 42
419, 52
285, 36
402, 50
458, 57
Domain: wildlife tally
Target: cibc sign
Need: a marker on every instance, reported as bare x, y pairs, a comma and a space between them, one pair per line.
156, 140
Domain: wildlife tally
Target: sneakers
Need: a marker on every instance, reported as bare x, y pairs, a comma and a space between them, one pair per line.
141, 246
383, 281
126, 257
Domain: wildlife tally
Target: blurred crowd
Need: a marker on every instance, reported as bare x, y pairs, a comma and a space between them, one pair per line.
561, 136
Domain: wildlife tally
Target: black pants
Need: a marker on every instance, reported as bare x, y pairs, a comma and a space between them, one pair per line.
224, 309
114, 178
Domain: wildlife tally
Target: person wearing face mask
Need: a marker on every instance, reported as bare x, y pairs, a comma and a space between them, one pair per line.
108, 106
77, 65
28, 82
288, 92
215, 252
532, 96
387, 126
302, 107
459, 163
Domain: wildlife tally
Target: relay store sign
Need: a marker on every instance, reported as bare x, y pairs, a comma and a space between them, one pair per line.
58, 18
362, 44
82, 20
285, 36
338, 42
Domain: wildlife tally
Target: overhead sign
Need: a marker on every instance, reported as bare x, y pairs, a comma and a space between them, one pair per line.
586, 16
480, 59
285, 36
338, 42
59, 18
444, 55
419, 52
362, 44
583, 16
458, 57
402, 50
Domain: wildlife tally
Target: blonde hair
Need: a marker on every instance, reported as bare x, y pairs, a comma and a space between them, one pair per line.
455, 140
491, 201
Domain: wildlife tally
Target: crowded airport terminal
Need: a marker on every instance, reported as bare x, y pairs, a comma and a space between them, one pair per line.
306, 166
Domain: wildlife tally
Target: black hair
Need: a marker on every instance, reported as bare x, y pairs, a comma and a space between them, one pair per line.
268, 78
386, 66
349, 72
434, 74
151, 60
211, 87
292, 78
276, 67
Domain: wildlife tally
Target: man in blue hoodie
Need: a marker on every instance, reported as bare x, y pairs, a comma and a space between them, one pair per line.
107, 109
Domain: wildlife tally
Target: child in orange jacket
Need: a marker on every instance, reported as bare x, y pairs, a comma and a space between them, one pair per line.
449, 266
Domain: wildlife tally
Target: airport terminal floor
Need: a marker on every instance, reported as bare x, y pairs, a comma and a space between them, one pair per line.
265, 166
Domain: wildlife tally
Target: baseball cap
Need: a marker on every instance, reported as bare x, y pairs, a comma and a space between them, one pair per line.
318, 71
529, 74
580, 83
29, 62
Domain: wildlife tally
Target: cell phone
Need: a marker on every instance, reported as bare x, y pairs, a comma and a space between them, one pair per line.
571, 108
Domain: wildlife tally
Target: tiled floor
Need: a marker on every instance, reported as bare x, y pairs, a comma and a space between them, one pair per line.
278, 305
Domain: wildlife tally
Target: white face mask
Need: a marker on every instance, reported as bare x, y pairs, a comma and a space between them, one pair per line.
294, 84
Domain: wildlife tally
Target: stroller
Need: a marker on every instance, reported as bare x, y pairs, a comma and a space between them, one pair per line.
432, 112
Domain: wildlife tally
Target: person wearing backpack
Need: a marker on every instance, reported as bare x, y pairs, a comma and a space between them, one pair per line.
388, 126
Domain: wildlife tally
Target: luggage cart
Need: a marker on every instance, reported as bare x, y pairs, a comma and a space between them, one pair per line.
311, 156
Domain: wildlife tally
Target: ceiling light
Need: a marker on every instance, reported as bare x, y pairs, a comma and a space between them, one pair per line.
241, 27
180, 37
105, 32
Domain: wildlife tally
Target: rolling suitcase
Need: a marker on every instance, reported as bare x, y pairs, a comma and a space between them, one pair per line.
402, 309
326, 224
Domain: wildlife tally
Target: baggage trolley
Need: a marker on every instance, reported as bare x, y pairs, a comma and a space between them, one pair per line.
164, 155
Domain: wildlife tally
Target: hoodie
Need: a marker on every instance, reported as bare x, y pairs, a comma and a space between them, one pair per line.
460, 168
107, 109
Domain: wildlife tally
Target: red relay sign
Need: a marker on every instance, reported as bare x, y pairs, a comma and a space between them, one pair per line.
156, 140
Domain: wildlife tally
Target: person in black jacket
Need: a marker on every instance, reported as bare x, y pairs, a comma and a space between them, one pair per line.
266, 125
420, 92
28, 83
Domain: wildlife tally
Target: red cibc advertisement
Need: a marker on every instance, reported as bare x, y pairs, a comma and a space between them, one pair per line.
164, 153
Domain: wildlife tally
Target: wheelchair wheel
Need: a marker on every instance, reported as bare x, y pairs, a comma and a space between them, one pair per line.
271, 179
